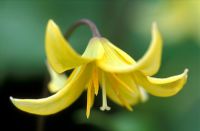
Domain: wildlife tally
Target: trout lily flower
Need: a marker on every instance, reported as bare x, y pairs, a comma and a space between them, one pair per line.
102, 66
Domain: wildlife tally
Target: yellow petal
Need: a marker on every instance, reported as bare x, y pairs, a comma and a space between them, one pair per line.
60, 54
118, 97
112, 94
120, 94
123, 55
149, 64
162, 87
57, 81
62, 99
127, 88
94, 49
115, 60
125, 82
137, 91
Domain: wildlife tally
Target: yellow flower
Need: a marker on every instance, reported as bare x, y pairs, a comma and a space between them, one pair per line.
122, 79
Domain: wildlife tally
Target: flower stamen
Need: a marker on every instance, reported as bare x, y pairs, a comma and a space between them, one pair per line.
104, 104
95, 81
90, 98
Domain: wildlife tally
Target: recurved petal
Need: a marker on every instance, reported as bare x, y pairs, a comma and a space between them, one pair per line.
60, 54
57, 81
62, 99
123, 55
149, 64
116, 60
162, 87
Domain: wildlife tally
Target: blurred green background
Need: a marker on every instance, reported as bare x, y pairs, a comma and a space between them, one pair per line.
126, 23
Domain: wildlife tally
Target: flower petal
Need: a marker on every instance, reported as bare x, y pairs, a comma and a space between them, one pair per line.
94, 49
62, 99
129, 93
162, 87
57, 81
119, 94
118, 98
60, 54
149, 64
115, 60
123, 55
127, 82
123, 84
111, 94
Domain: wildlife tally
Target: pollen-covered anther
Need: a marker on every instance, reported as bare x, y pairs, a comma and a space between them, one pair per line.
104, 104
103, 108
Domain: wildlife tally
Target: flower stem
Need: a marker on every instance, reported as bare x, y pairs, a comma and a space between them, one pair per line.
89, 23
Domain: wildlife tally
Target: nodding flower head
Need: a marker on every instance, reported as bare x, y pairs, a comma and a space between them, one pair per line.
102, 66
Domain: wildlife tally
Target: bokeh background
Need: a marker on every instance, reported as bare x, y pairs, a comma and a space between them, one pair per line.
127, 23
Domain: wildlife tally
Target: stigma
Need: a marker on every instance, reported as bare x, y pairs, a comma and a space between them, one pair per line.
104, 98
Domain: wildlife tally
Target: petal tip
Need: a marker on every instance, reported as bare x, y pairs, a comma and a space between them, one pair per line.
11, 98
154, 25
51, 23
185, 73
186, 70
130, 108
88, 115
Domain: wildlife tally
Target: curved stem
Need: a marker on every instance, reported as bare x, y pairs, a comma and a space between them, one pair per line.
90, 24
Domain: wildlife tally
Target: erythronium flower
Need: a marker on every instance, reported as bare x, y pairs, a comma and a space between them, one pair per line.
122, 79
